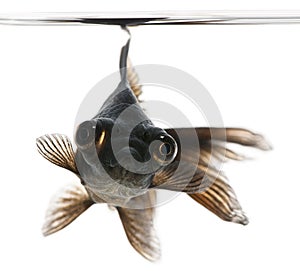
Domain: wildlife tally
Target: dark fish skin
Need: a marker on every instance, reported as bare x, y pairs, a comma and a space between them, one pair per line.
135, 127
160, 161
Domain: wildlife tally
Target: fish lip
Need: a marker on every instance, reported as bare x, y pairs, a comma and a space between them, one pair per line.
129, 159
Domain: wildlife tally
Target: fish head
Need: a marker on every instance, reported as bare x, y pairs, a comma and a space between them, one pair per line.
116, 160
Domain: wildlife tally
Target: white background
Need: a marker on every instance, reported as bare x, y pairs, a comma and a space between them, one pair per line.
252, 72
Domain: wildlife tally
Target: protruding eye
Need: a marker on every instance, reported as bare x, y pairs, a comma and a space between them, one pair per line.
164, 149
85, 134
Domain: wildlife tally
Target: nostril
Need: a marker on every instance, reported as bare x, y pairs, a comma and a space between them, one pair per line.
146, 136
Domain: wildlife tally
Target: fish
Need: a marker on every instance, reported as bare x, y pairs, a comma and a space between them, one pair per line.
122, 159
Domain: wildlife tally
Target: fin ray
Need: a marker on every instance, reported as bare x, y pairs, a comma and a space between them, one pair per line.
65, 207
170, 178
231, 135
138, 226
57, 149
220, 199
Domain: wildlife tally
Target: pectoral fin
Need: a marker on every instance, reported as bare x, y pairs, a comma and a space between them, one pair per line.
220, 199
138, 225
58, 150
65, 207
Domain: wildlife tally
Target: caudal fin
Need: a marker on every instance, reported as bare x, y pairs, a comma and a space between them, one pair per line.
220, 199
216, 194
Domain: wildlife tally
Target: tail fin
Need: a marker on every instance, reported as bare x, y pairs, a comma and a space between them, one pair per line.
218, 196
231, 135
220, 199
212, 143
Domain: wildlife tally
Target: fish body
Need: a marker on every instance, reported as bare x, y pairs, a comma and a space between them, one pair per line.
122, 159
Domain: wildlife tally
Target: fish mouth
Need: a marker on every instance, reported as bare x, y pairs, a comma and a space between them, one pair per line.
121, 178
131, 163
129, 158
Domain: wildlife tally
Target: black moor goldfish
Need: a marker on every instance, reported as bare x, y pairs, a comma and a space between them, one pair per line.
122, 159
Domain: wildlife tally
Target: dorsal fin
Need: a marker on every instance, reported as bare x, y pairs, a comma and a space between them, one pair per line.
124, 57
123, 94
